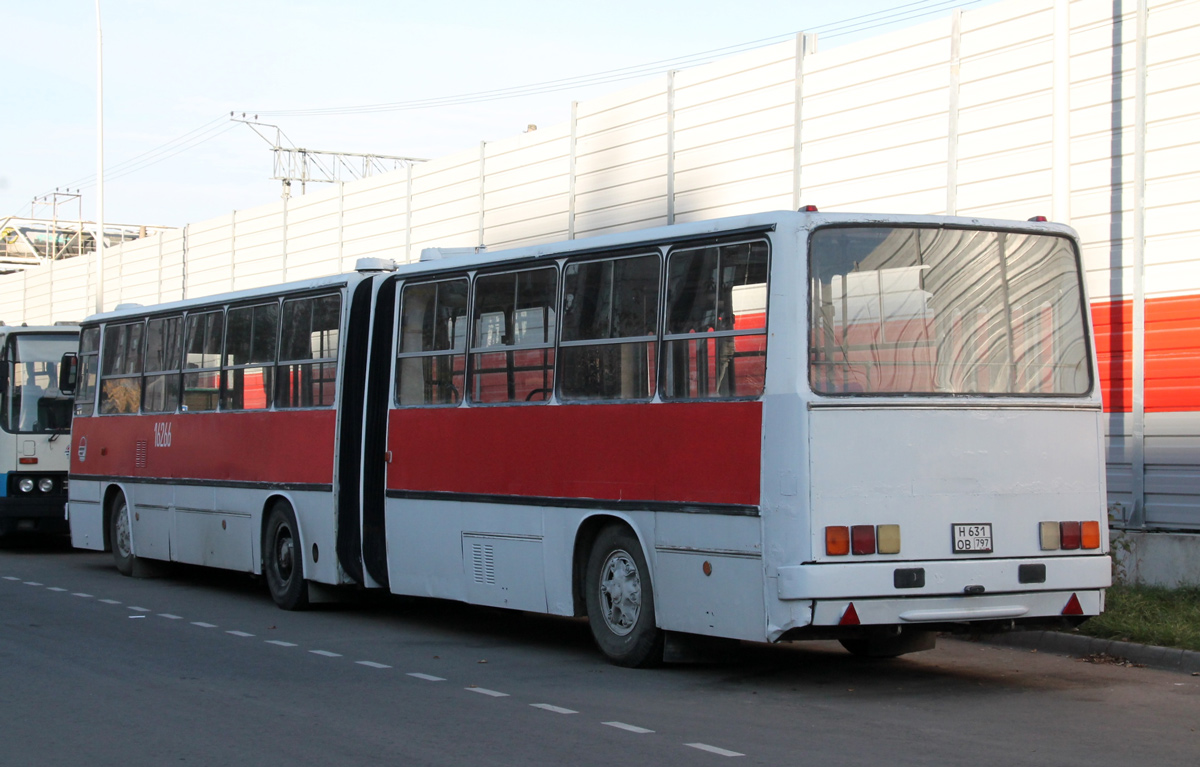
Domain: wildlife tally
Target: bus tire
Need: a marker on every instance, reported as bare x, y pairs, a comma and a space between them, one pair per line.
283, 559
620, 600
120, 534
891, 647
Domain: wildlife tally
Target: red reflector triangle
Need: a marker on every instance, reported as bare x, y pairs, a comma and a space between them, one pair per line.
1073, 607
850, 617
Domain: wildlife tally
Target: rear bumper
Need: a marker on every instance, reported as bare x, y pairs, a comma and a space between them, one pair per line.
939, 612
942, 578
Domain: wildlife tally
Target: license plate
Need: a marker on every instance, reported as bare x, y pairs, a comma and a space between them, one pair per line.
972, 539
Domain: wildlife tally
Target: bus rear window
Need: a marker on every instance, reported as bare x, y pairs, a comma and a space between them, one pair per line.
907, 310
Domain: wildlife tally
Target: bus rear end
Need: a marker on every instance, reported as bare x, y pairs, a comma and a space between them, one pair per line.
955, 439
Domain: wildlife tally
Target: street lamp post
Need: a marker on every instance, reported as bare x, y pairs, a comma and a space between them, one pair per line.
99, 164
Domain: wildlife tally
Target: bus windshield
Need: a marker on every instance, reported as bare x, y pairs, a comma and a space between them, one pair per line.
920, 310
30, 402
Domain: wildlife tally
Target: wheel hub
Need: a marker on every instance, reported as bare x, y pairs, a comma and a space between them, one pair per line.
620, 592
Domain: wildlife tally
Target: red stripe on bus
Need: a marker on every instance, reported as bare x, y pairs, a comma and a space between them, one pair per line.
280, 446
698, 452
1172, 354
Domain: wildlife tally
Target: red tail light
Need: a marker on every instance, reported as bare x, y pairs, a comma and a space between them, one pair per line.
850, 617
862, 539
1073, 607
27, 461
1071, 535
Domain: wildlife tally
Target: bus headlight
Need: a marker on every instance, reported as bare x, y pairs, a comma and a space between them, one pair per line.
25, 485
45, 484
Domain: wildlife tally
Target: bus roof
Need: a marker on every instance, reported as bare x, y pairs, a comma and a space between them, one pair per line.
749, 223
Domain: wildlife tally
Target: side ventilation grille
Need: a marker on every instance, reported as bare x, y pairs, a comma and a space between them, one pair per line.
140, 454
483, 557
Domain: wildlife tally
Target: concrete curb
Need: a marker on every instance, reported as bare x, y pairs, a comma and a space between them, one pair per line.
1079, 646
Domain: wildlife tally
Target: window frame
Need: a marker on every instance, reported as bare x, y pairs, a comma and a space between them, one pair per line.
185, 371
553, 265
398, 324
269, 367
123, 324
337, 292
176, 371
655, 338
665, 338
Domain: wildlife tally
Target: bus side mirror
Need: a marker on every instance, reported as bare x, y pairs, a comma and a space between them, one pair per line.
68, 373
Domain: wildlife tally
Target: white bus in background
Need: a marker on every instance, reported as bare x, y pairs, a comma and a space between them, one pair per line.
35, 425
771, 427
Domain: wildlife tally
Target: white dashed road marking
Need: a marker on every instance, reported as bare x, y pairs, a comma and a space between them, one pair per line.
628, 727
372, 664
486, 691
713, 749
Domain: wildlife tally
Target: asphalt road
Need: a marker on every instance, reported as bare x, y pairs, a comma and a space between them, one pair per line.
199, 667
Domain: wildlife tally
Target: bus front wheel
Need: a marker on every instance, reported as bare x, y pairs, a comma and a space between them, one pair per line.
283, 559
120, 534
620, 600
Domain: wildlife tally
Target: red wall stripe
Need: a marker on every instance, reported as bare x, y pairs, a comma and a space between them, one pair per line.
1172, 354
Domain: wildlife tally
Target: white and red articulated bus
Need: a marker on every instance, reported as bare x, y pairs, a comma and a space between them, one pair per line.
769, 427
35, 424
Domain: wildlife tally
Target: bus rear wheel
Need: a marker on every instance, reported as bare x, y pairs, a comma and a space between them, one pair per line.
620, 600
120, 534
283, 559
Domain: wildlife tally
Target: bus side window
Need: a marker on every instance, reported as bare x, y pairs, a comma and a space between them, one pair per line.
85, 389
121, 368
308, 353
610, 323
715, 341
202, 361
160, 393
513, 342
431, 360
251, 334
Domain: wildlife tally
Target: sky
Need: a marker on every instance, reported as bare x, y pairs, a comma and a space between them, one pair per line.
174, 70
